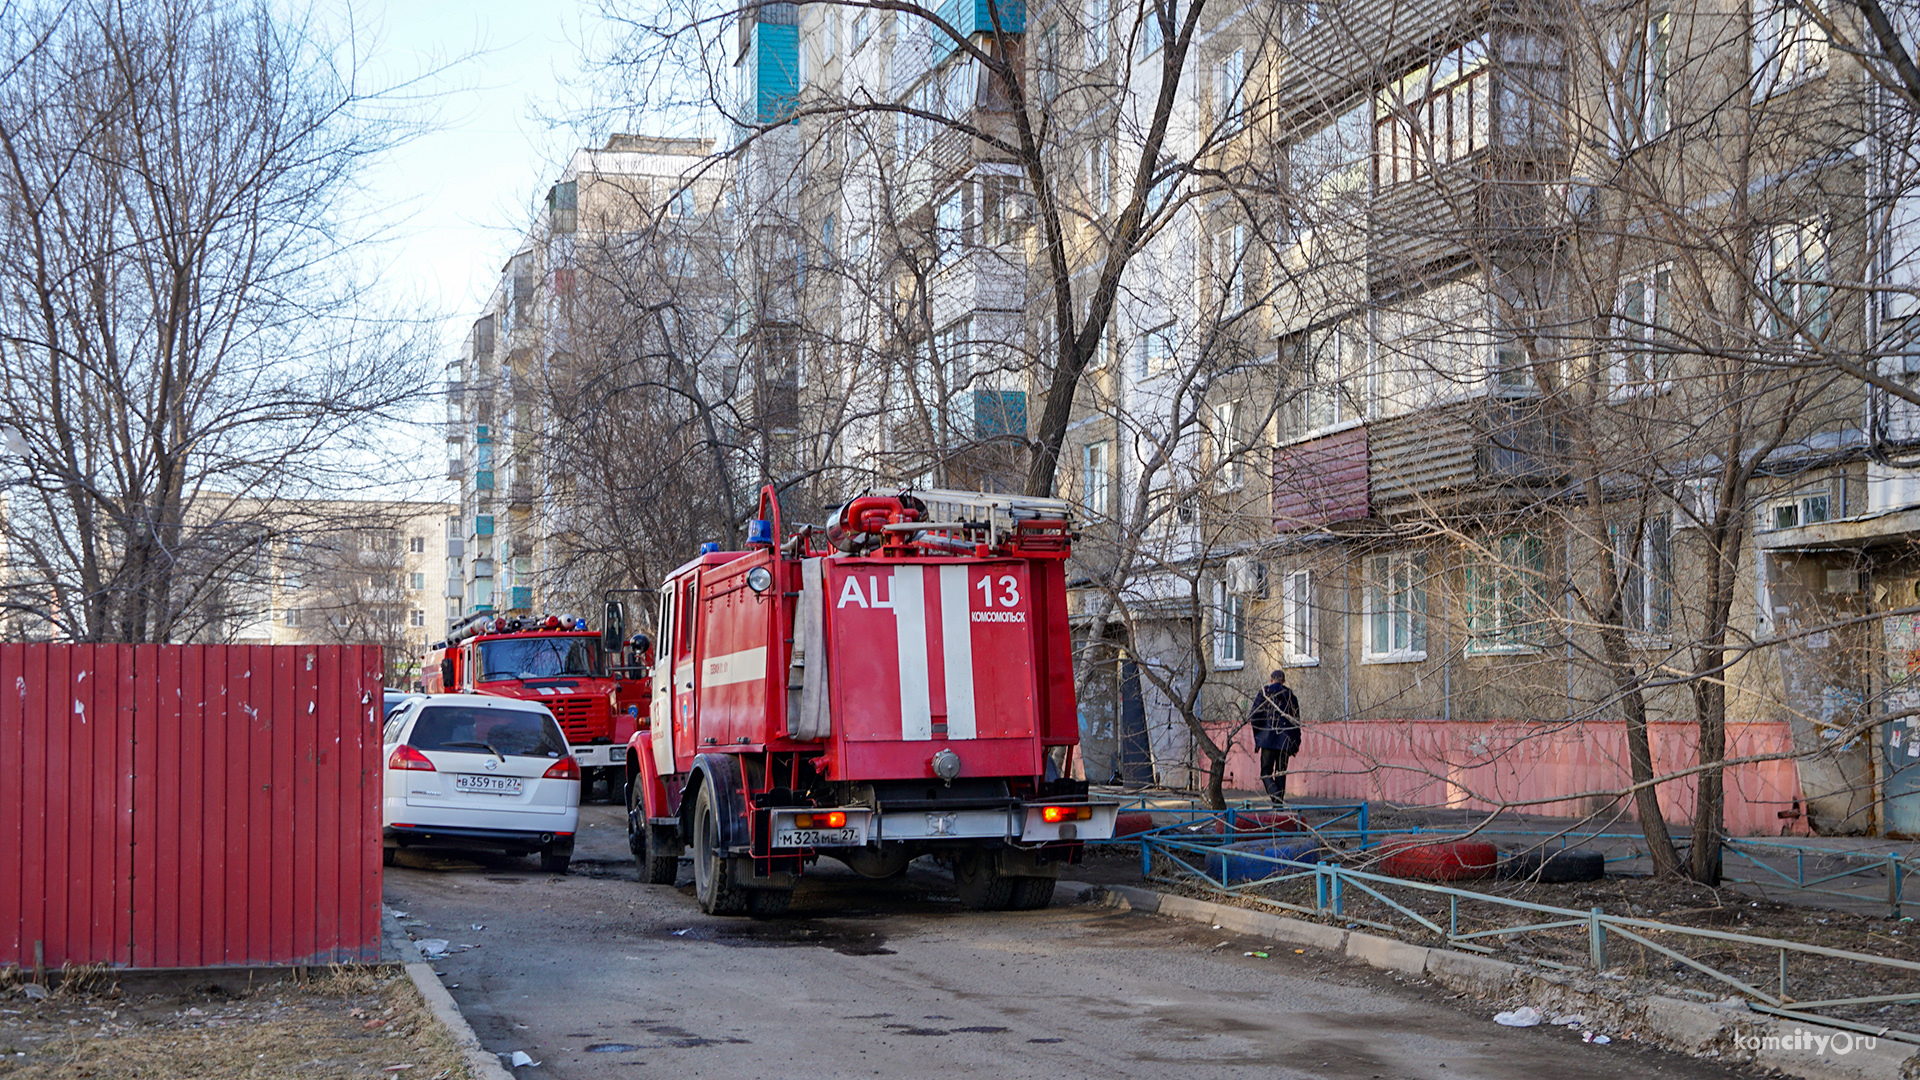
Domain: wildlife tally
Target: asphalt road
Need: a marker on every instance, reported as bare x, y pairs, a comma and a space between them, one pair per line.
596, 975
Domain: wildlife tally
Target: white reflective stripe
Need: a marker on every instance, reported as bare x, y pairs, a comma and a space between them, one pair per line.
735, 667
956, 645
910, 636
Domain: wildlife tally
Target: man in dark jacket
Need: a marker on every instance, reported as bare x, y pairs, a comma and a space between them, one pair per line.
1276, 731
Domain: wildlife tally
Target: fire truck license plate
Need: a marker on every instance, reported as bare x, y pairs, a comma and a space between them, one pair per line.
489, 785
814, 837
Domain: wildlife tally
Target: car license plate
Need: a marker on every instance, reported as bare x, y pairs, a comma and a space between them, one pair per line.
814, 837
486, 785
618, 753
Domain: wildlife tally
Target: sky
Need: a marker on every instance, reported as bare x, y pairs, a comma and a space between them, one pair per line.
453, 202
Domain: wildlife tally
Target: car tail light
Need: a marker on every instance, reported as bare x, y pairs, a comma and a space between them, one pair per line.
836, 819
564, 769
1054, 815
406, 757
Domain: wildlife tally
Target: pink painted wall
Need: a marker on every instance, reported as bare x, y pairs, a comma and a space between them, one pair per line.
1478, 765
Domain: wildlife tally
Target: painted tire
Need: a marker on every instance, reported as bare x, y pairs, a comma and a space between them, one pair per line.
1247, 860
1452, 860
1556, 867
1133, 824
1257, 822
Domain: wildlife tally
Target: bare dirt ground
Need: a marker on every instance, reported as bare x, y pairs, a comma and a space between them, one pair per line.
362, 1022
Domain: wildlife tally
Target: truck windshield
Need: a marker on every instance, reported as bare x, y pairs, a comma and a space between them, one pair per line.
539, 658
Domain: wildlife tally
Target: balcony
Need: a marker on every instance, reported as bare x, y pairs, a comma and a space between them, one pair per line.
1462, 450
1321, 481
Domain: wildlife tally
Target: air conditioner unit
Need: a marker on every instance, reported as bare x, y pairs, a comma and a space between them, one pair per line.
1247, 576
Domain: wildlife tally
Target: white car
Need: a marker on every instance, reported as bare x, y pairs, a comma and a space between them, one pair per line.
473, 771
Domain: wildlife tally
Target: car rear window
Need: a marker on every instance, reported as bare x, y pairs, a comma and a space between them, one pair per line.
481, 731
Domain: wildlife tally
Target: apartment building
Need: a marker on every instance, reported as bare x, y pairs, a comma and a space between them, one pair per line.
625, 227
1501, 371
342, 572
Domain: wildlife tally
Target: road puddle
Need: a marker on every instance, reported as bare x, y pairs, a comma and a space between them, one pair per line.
788, 935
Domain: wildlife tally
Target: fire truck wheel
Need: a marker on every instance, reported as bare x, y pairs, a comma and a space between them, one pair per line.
616, 787
768, 903
979, 883
713, 881
1032, 893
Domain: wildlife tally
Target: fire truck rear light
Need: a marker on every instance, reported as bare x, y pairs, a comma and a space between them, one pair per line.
564, 769
835, 819
1054, 815
407, 757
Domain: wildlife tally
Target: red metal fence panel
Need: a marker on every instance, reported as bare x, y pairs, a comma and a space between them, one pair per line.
189, 805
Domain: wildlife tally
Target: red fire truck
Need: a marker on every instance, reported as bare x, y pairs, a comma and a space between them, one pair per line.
897, 684
560, 664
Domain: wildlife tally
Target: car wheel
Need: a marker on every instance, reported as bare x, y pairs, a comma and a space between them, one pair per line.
658, 865
713, 883
554, 860
387, 854
979, 883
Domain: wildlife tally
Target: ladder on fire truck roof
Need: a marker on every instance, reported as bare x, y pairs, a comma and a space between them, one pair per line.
998, 514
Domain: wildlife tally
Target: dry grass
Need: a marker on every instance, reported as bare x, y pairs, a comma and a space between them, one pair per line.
349, 1022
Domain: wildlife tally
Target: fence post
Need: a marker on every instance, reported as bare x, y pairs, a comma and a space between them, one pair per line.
1364, 838
1894, 872
1339, 904
1597, 939
1146, 858
1320, 887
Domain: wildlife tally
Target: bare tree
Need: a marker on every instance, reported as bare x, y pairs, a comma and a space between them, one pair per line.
183, 333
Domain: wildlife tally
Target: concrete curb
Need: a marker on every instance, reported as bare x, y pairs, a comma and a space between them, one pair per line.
1722, 1031
482, 1063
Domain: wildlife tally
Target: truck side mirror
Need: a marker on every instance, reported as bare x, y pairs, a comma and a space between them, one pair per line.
613, 627
446, 675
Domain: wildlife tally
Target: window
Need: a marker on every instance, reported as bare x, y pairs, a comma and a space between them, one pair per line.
1788, 43
1646, 71
416, 582
862, 27
1047, 60
1809, 509
417, 544
1155, 351
1643, 558
1396, 608
1229, 89
293, 616
1229, 469
1506, 599
1296, 618
1168, 512
1229, 627
950, 226
1095, 477
1099, 179
1798, 293
1330, 364
1151, 35
1642, 326
1331, 161
419, 618
1096, 32
1229, 268
1437, 114
1002, 208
